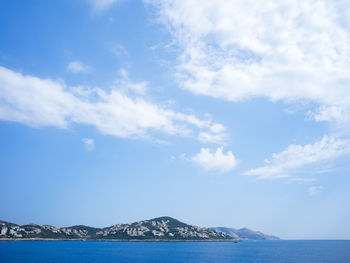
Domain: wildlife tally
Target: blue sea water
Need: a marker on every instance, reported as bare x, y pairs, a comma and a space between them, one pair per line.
174, 252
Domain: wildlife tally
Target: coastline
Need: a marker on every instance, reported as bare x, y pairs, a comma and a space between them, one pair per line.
116, 240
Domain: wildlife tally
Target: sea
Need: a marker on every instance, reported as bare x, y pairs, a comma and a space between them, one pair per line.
285, 251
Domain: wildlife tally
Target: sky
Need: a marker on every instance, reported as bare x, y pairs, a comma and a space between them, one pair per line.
226, 113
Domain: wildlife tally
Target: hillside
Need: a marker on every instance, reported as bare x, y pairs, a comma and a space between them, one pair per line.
245, 234
161, 228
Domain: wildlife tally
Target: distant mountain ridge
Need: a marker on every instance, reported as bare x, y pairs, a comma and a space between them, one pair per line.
161, 228
245, 233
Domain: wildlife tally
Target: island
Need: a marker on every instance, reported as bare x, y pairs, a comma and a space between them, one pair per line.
157, 229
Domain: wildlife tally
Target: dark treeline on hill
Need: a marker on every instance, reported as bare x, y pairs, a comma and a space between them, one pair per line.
161, 228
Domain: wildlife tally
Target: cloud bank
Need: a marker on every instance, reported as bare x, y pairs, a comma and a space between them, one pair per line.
289, 51
281, 50
44, 102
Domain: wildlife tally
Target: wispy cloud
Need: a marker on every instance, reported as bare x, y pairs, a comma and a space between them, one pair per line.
315, 190
119, 50
217, 134
44, 102
101, 5
89, 144
124, 83
77, 67
212, 137
215, 160
282, 50
301, 180
294, 157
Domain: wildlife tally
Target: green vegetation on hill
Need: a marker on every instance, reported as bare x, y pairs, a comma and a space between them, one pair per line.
161, 228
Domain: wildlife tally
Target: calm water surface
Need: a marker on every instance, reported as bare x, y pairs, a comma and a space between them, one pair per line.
175, 252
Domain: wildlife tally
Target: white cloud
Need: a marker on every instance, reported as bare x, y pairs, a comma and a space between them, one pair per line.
209, 137
89, 144
77, 67
315, 190
124, 82
281, 50
101, 5
294, 157
44, 102
290, 51
217, 134
215, 161
331, 113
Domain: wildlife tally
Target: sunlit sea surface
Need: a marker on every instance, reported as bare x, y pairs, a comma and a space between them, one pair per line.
125, 252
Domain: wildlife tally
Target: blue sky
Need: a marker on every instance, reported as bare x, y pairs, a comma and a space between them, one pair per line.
229, 114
